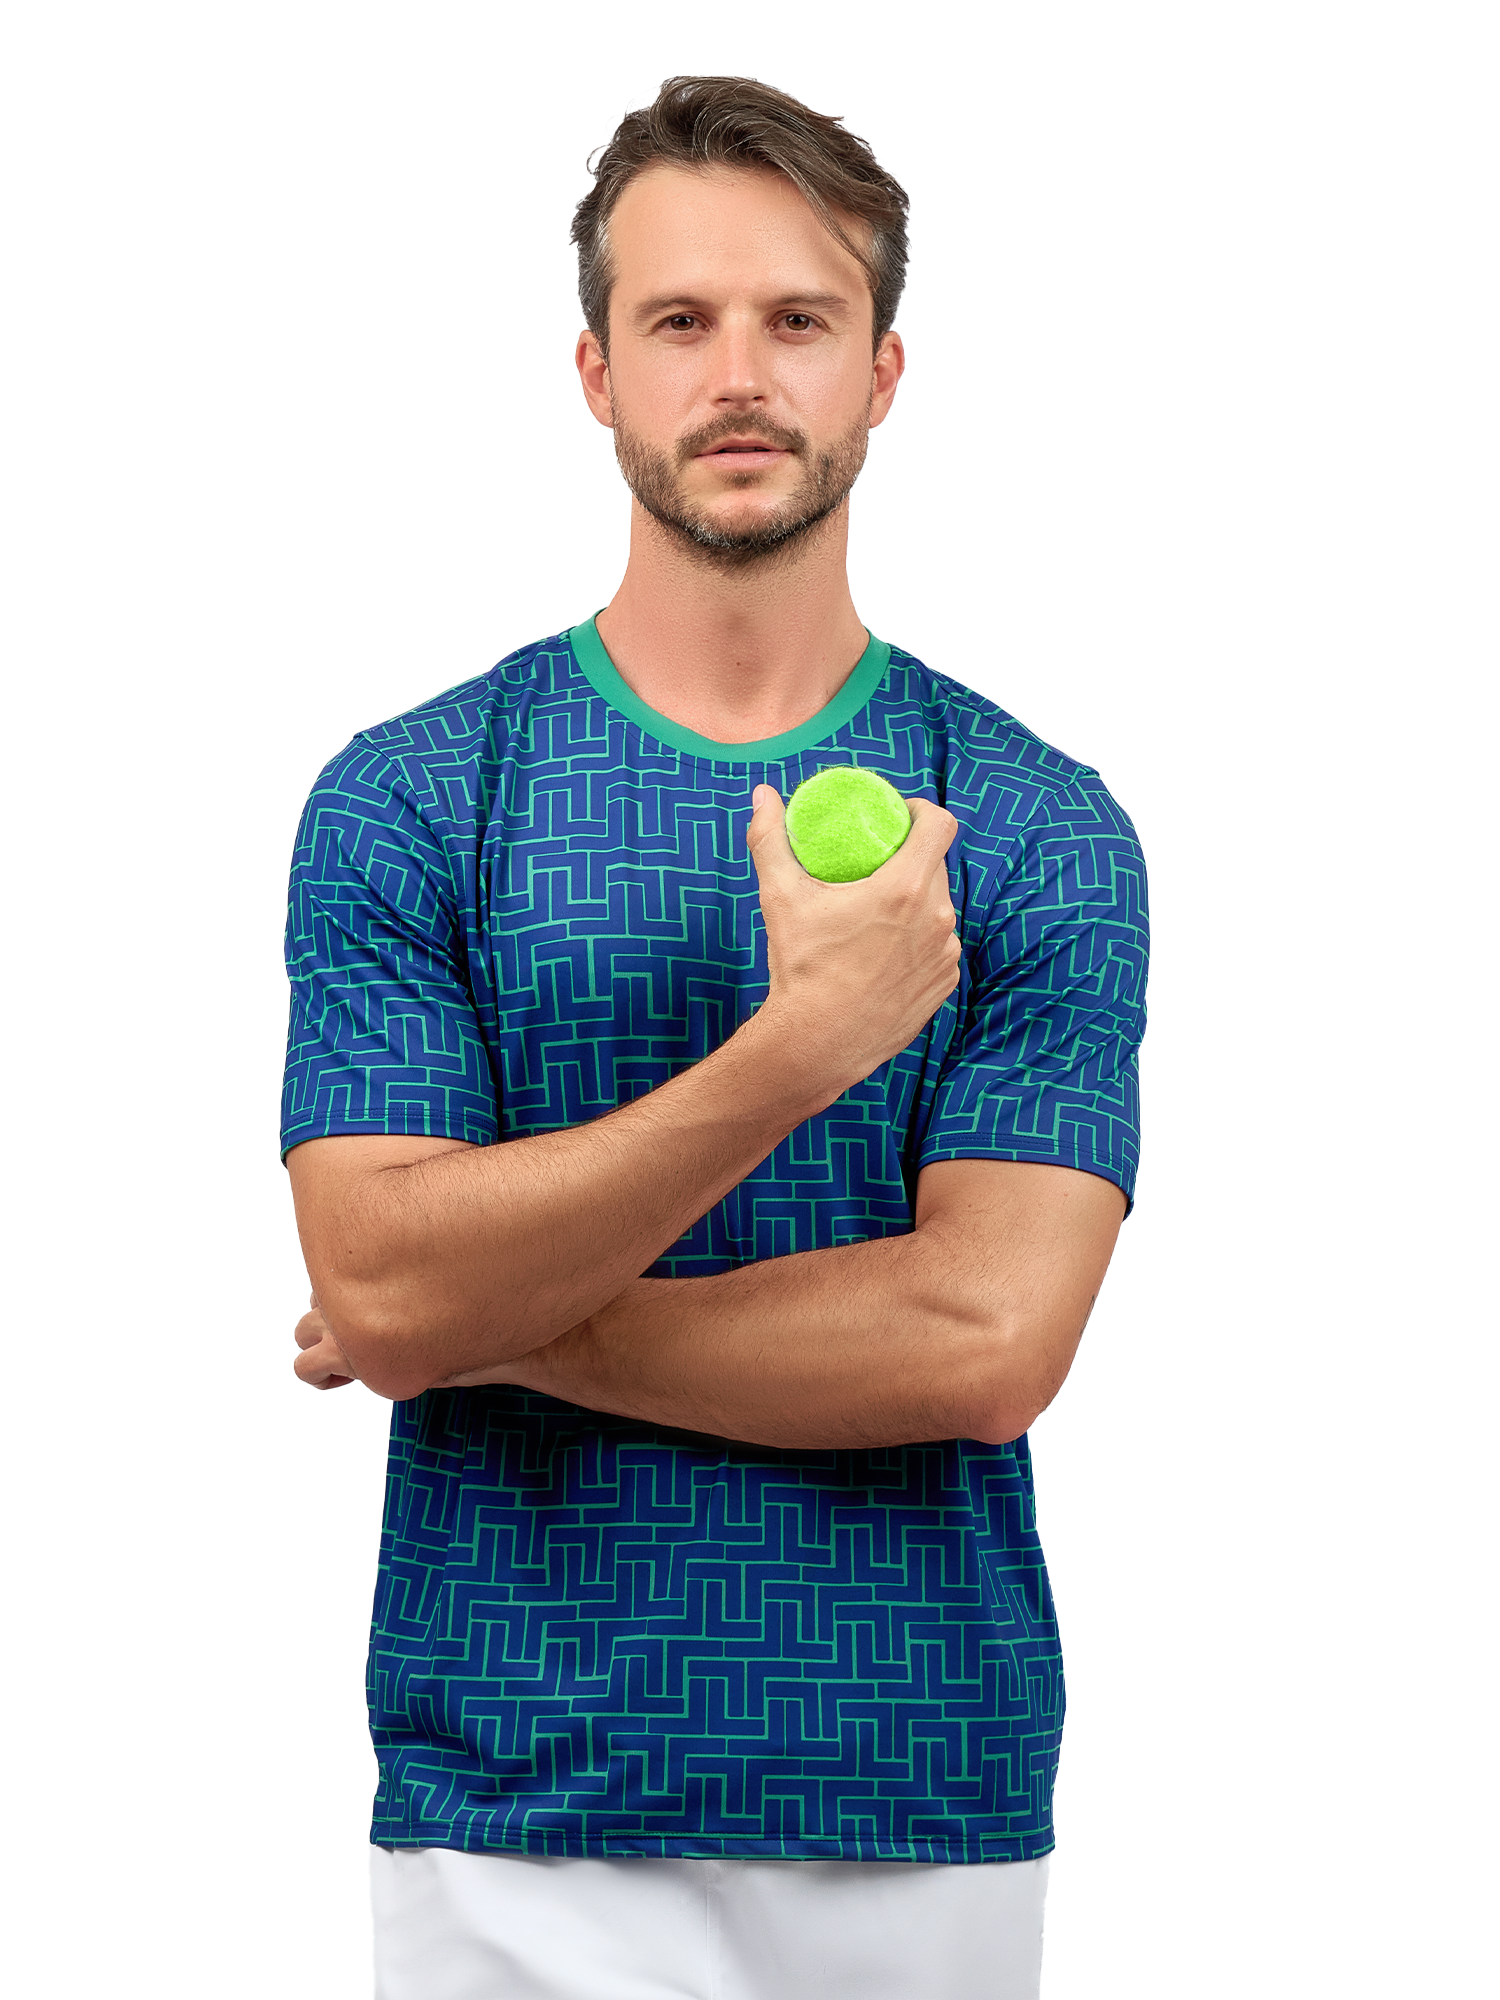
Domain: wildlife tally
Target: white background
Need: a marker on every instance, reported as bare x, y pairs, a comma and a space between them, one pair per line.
1194, 469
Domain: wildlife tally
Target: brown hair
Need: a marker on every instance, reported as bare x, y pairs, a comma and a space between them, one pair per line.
700, 121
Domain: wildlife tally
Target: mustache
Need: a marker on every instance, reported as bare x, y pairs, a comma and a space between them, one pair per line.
729, 425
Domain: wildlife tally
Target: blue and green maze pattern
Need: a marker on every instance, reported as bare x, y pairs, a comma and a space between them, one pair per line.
515, 908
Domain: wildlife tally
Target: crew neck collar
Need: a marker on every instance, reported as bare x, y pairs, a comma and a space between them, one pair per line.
606, 679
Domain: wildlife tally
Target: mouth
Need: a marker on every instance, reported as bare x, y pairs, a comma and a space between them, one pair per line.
737, 452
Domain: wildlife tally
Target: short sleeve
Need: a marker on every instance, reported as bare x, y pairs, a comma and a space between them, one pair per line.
1046, 1066
385, 1034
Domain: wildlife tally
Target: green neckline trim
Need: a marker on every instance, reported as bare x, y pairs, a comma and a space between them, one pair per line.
606, 679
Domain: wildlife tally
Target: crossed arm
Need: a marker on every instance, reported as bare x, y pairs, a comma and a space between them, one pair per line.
436, 1263
965, 1328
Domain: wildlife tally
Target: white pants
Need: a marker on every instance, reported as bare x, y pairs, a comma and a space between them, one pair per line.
451, 1926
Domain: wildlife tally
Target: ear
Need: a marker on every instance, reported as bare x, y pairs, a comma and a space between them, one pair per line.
593, 373
890, 365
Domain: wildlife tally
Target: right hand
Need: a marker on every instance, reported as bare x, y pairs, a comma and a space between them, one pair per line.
322, 1362
857, 968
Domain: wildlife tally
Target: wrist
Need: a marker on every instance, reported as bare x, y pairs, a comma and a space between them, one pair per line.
800, 1066
539, 1370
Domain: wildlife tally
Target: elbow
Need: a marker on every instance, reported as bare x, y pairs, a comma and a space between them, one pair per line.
385, 1348
1004, 1422
1018, 1377
393, 1378
401, 1342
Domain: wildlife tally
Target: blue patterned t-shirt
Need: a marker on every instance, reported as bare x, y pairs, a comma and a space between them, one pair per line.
521, 905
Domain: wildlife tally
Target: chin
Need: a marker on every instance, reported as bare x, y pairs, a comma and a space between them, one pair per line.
741, 520
747, 496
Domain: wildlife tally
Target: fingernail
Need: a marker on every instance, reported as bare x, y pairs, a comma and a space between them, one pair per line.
757, 795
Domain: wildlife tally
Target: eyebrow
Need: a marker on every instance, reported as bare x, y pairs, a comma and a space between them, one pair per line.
683, 301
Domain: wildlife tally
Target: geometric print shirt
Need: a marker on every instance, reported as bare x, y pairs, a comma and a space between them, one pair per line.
523, 904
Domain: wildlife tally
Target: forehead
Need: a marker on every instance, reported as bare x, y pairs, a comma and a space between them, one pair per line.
724, 229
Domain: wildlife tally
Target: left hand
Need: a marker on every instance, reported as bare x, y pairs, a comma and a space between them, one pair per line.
322, 1361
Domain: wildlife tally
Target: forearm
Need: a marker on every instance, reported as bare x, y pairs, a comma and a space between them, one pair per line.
880, 1343
468, 1257
430, 1259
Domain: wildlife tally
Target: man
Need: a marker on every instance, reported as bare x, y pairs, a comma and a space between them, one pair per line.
717, 1232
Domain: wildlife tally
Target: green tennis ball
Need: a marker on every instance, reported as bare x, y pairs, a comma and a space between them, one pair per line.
844, 822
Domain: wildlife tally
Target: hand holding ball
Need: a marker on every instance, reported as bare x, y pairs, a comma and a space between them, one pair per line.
844, 822
858, 968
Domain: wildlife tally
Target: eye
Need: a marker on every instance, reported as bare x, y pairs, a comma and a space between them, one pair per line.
683, 322
798, 322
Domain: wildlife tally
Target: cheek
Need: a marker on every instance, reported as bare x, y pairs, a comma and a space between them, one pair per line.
660, 390
829, 393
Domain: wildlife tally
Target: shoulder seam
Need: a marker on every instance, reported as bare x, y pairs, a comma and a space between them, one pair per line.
972, 702
401, 787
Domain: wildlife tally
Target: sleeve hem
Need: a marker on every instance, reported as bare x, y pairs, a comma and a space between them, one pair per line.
1121, 1177
386, 1128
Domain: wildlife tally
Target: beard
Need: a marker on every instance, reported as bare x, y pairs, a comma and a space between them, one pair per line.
655, 478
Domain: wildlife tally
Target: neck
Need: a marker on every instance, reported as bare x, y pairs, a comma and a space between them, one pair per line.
734, 653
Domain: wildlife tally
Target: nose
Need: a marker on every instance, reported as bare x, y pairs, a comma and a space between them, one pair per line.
740, 363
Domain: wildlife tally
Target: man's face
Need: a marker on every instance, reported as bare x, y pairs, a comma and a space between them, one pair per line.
741, 382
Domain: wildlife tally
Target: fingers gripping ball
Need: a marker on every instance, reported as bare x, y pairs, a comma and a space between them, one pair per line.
844, 822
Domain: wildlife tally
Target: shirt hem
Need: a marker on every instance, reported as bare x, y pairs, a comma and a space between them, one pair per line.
622, 1847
